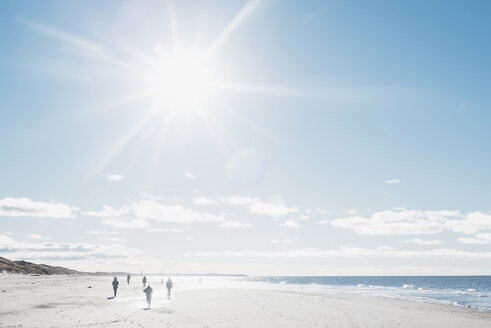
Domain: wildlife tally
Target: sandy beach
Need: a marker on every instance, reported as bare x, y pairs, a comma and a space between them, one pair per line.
67, 301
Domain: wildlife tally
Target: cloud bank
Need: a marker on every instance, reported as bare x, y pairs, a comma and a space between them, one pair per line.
24, 207
414, 222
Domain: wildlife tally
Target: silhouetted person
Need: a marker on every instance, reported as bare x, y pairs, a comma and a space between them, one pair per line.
144, 280
148, 291
115, 285
169, 286
128, 278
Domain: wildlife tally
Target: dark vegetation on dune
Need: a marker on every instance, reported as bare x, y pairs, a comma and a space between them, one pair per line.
32, 268
25, 267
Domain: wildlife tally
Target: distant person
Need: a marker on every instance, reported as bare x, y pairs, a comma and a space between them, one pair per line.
162, 281
115, 285
128, 278
169, 286
199, 280
148, 291
144, 280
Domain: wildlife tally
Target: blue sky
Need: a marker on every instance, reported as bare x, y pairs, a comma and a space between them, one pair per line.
263, 137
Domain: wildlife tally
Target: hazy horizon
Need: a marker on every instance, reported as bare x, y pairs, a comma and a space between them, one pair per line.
258, 137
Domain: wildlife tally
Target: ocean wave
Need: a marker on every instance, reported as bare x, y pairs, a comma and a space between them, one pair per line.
462, 291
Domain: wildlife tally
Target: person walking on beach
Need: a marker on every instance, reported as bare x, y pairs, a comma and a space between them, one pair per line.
115, 285
144, 280
148, 292
128, 278
169, 286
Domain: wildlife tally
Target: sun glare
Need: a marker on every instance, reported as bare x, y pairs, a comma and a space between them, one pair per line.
169, 79
183, 81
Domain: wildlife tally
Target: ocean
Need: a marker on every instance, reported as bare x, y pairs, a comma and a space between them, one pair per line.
468, 291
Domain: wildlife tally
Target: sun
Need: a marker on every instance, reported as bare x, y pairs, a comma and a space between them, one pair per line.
183, 81
170, 81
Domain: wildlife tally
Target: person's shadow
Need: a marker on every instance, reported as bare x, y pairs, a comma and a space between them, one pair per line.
110, 298
146, 309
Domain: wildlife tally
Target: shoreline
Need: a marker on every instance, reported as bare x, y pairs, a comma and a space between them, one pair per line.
382, 297
85, 301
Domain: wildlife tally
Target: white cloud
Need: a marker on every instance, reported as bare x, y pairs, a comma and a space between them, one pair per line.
256, 206
152, 210
352, 211
472, 223
137, 213
115, 177
189, 175
240, 200
271, 209
62, 251
399, 222
393, 181
303, 218
36, 236
424, 241
480, 239
291, 224
167, 230
108, 212
25, 207
321, 211
475, 241
350, 252
204, 201
130, 224
235, 224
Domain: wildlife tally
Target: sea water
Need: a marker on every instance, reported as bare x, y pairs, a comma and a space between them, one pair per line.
469, 291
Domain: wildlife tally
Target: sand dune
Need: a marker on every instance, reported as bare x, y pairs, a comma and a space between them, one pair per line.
67, 301
31, 268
